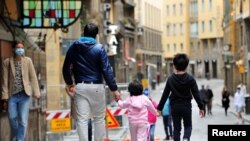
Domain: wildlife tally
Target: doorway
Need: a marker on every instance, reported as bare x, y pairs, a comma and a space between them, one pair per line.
207, 69
214, 67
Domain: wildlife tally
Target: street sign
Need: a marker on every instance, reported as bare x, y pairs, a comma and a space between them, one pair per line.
59, 120
111, 120
60, 125
144, 83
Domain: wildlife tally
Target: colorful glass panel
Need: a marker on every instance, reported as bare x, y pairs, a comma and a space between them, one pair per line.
50, 13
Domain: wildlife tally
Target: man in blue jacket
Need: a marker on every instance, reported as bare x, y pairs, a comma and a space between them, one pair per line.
87, 62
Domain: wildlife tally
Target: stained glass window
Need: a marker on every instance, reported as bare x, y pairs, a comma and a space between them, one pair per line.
50, 13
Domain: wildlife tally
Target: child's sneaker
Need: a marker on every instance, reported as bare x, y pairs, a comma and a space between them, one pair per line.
167, 138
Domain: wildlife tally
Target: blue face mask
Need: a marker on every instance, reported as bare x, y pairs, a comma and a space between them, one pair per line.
19, 51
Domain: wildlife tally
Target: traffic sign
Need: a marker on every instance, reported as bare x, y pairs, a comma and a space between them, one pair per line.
144, 83
59, 120
60, 125
111, 120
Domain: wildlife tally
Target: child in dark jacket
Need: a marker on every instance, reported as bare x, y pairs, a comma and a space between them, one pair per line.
182, 87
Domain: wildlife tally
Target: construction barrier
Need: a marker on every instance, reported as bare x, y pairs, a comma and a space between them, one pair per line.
57, 114
116, 111
59, 122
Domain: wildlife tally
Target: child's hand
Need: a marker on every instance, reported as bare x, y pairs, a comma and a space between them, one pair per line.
158, 113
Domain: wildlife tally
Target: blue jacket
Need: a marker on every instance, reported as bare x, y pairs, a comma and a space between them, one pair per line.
166, 108
88, 61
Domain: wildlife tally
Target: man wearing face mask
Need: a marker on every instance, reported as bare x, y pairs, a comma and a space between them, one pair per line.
19, 78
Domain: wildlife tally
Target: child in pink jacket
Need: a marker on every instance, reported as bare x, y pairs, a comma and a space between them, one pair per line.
138, 106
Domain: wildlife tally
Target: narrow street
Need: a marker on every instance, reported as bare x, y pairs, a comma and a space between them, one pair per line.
200, 125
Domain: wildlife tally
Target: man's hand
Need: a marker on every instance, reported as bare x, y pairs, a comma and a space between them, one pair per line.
117, 95
202, 113
70, 89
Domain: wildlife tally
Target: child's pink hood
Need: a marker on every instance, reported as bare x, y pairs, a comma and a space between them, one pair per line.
138, 107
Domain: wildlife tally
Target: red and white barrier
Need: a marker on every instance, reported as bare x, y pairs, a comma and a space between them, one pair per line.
57, 114
118, 111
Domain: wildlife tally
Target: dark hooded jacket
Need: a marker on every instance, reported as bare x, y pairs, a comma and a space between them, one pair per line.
88, 61
181, 88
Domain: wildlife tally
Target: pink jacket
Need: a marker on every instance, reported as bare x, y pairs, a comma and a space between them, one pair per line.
138, 107
151, 117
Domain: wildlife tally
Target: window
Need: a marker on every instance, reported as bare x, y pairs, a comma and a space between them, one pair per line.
174, 8
181, 9
168, 48
182, 49
210, 5
174, 29
203, 26
211, 26
46, 13
194, 29
203, 5
168, 30
181, 29
167, 10
193, 9
191, 45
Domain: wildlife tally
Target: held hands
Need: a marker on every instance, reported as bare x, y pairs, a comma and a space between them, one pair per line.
117, 95
158, 113
70, 89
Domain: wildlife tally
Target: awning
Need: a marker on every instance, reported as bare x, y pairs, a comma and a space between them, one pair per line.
152, 65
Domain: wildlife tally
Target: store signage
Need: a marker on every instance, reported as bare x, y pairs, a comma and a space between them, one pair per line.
50, 13
110, 31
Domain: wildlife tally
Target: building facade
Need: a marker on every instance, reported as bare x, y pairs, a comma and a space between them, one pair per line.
194, 27
175, 36
237, 42
210, 35
149, 38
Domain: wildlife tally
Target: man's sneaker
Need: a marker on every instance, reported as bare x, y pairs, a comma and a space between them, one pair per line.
185, 139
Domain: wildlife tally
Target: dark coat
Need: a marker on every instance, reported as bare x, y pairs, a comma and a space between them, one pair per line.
225, 99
